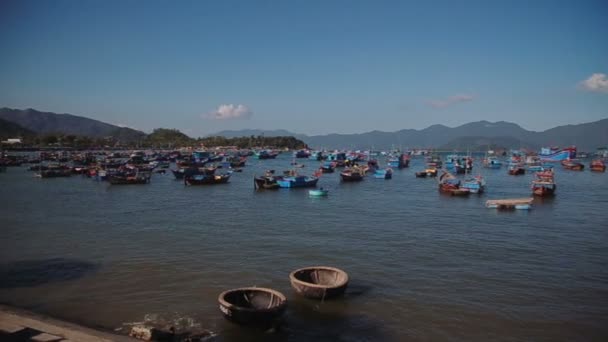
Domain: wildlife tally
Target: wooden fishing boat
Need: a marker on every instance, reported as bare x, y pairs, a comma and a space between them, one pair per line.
383, 173
128, 179
572, 164
421, 174
449, 184
510, 203
353, 174
319, 282
328, 167
516, 169
252, 305
298, 181
206, 179
544, 184
265, 182
476, 185
597, 165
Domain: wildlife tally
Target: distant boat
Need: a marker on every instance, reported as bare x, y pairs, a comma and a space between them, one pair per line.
206, 179
516, 168
572, 164
597, 165
328, 167
264, 154
129, 179
476, 185
554, 154
383, 173
297, 181
353, 174
451, 185
544, 184
492, 163
510, 203
318, 192
401, 161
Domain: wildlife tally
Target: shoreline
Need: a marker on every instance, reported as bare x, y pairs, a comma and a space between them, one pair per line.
21, 325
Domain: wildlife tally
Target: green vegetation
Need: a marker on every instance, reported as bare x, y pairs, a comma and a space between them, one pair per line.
253, 141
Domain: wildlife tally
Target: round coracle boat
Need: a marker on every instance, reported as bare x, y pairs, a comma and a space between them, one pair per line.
319, 282
252, 305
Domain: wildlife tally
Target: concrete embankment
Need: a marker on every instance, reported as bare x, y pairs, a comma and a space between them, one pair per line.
21, 325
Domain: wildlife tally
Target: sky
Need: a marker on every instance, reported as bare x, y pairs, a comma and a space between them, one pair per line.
311, 67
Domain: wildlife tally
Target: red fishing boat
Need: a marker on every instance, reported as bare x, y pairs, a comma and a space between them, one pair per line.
597, 165
544, 184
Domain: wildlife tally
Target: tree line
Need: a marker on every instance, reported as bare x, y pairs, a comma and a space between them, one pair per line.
159, 138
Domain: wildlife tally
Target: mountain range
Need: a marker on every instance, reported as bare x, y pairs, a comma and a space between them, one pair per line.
480, 135
52, 123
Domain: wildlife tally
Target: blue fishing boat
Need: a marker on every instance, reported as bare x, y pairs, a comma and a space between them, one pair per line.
476, 185
301, 154
328, 167
265, 154
492, 163
383, 173
402, 161
458, 164
554, 154
298, 182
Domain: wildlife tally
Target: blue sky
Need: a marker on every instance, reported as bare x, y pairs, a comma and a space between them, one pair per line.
312, 67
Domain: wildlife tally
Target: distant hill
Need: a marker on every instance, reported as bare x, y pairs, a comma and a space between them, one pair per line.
10, 130
472, 136
255, 133
51, 123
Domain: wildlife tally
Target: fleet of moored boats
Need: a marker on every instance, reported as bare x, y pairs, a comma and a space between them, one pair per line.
213, 167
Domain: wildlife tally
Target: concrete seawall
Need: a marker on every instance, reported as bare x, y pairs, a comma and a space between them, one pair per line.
21, 325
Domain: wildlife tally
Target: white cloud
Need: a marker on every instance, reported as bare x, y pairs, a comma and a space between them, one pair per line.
230, 112
597, 82
454, 99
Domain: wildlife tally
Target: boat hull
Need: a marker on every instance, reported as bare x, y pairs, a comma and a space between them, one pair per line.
252, 305
319, 282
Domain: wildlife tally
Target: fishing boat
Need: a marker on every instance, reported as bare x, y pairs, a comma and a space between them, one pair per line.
597, 165
430, 171
458, 164
297, 181
265, 154
319, 282
128, 179
383, 173
318, 192
492, 162
328, 167
205, 179
451, 185
476, 185
421, 174
572, 164
401, 161
252, 305
544, 184
351, 174
555, 154
301, 154
55, 173
516, 168
510, 203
